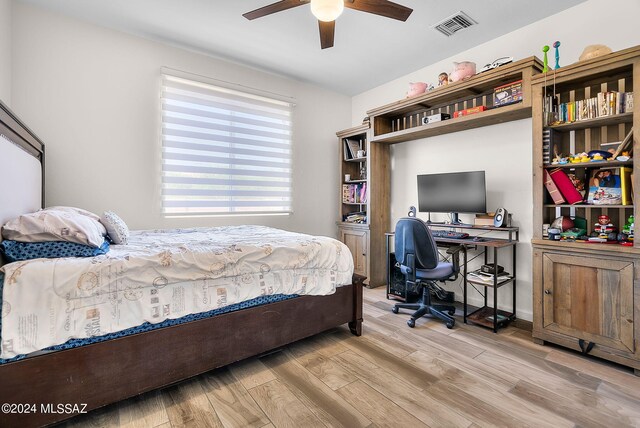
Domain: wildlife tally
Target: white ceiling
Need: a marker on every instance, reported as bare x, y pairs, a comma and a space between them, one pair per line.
369, 50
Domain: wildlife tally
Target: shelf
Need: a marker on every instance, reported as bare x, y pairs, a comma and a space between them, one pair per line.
480, 317
354, 203
355, 181
587, 206
363, 159
485, 118
470, 226
489, 284
578, 245
598, 164
474, 86
591, 123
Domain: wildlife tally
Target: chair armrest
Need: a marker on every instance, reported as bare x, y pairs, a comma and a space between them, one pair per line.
454, 252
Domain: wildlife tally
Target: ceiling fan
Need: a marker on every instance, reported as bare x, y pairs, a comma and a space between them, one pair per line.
328, 10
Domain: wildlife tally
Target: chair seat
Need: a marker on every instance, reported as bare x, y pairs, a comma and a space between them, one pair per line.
442, 271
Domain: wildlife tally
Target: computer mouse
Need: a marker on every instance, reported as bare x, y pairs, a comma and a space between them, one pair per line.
478, 239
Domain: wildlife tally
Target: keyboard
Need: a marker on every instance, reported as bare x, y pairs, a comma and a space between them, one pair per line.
449, 234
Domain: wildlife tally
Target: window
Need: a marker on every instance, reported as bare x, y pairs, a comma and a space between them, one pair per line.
223, 151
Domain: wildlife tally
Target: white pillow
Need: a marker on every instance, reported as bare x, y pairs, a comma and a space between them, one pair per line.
57, 224
116, 227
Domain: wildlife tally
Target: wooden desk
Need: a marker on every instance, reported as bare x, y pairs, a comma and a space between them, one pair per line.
479, 316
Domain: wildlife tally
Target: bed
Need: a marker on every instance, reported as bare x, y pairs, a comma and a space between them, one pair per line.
105, 372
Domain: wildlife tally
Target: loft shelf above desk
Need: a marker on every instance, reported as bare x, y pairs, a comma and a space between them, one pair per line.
510, 230
401, 121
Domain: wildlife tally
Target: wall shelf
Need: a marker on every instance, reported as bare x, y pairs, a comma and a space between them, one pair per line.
590, 123
402, 120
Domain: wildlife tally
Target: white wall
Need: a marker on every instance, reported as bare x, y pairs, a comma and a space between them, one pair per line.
92, 95
5, 51
503, 151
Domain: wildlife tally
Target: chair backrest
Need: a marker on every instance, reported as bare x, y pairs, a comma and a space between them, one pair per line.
413, 237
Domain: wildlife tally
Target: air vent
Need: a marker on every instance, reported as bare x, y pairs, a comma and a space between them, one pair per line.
454, 23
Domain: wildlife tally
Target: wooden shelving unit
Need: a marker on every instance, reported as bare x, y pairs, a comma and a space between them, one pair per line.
402, 120
587, 293
365, 240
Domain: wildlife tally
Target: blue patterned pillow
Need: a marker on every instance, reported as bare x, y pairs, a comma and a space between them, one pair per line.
14, 251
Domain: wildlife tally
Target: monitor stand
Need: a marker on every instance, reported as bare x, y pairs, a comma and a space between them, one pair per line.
455, 220
429, 222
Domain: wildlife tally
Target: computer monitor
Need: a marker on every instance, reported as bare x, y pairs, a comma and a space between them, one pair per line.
456, 192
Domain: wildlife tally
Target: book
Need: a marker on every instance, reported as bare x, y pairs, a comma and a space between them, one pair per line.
604, 188
565, 186
555, 194
625, 186
484, 220
626, 142
354, 146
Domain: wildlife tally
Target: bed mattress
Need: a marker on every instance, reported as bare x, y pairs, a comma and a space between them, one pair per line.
161, 275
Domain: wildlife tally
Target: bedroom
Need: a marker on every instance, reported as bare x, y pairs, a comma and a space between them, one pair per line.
87, 82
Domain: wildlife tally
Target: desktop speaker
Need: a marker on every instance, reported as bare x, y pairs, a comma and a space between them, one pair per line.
412, 211
500, 219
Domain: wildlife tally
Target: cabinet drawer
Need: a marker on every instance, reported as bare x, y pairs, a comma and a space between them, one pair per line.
589, 298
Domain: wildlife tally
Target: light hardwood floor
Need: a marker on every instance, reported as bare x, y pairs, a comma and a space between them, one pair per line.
394, 376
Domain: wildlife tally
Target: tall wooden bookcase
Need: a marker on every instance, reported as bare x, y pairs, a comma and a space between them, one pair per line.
587, 295
366, 240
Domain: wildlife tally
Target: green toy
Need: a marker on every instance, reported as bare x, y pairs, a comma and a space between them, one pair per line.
545, 49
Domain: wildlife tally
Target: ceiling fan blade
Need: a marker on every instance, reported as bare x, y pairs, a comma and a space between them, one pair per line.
327, 32
384, 8
273, 8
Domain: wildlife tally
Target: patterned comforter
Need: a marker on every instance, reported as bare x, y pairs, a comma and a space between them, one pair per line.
161, 274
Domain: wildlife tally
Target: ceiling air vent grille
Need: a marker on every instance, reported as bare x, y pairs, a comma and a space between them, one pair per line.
454, 23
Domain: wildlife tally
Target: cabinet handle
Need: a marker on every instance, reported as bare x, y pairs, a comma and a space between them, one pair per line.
547, 291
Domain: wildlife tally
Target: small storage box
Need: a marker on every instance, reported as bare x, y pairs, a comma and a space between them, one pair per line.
508, 94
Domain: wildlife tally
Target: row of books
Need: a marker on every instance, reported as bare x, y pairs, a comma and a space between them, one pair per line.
354, 193
607, 186
358, 217
603, 104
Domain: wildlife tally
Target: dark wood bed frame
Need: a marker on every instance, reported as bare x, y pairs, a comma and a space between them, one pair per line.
110, 371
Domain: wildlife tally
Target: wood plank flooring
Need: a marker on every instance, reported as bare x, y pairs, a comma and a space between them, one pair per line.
394, 376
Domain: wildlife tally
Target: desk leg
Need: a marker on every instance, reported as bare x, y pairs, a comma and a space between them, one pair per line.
388, 268
513, 283
464, 288
495, 290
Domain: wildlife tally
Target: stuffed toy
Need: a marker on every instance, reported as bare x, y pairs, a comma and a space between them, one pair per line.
462, 70
417, 88
594, 51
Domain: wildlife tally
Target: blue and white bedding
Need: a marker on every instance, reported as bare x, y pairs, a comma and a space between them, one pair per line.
161, 275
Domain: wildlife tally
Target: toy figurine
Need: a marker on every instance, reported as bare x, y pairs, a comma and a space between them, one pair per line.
545, 49
627, 232
604, 230
443, 79
557, 46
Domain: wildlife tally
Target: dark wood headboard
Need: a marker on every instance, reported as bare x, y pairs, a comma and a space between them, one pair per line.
14, 130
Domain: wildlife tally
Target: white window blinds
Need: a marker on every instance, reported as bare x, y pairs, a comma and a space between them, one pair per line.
223, 151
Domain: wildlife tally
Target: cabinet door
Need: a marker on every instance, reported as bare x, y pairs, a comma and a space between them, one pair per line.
356, 241
590, 299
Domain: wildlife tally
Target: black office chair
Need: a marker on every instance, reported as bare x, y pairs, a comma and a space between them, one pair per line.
418, 256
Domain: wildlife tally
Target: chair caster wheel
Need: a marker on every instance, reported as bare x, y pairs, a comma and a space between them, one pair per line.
451, 312
450, 324
411, 323
394, 310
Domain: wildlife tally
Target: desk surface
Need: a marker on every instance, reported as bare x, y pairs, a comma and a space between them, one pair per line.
469, 242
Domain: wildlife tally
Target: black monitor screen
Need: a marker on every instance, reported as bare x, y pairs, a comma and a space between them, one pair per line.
457, 192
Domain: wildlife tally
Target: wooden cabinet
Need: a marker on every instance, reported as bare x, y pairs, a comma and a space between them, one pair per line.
364, 201
588, 301
586, 296
357, 240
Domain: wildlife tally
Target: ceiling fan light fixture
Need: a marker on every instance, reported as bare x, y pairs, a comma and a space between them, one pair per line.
327, 10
